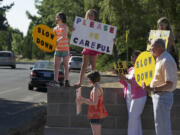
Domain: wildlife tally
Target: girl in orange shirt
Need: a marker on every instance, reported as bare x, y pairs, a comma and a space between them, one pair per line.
62, 48
97, 111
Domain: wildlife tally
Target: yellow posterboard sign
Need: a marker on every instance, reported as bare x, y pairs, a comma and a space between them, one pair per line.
144, 68
162, 34
121, 67
44, 37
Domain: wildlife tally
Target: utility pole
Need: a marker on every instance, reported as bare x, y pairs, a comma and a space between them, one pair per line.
127, 33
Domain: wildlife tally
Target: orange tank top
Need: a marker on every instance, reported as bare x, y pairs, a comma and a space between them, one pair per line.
61, 31
97, 111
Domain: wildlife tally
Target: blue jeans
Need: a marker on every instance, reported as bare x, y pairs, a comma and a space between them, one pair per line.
162, 104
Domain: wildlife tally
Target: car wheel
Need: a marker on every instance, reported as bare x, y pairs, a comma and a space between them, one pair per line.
61, 84
30, 87
13, 67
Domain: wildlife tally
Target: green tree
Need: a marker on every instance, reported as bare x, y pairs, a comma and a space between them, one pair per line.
5, 36
27, 47
17, 42
3, 21
4, 40
47, 10
139, 17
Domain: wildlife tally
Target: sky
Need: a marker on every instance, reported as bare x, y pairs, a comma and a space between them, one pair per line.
16, 16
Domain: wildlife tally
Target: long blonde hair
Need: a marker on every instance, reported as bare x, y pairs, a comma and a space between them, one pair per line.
165, 20
92, 12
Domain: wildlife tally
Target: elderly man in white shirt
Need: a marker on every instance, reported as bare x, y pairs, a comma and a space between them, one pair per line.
163, 84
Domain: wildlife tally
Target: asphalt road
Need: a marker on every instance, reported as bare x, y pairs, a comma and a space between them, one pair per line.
18, 104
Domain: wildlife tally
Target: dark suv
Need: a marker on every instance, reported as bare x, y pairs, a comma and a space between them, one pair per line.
7, 58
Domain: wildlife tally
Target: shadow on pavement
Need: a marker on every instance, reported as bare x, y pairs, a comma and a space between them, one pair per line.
41, 90
14, 69
16, 113
21, 69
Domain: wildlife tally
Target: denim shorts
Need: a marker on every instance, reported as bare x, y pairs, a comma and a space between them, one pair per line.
96, 121
61, 53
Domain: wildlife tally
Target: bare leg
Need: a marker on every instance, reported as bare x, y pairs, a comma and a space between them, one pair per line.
66, 67
93, 59
56, 67
96, 129
83, 69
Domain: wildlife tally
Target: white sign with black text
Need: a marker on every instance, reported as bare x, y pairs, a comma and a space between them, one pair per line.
93, 35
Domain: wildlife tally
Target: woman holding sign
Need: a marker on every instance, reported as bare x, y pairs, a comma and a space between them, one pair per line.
88, 55
163, 24
62, 48
135, 99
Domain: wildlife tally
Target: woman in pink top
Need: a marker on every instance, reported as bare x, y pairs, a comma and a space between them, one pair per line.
135, 99
89, 56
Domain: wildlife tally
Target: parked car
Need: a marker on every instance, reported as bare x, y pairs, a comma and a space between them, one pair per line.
42, 73
75, 62
7, 58
74, 53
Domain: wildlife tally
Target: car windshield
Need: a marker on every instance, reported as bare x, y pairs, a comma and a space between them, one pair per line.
76, 59
49, 65
5, 54
44, 65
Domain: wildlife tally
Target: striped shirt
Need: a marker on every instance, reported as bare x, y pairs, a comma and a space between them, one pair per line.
62, 37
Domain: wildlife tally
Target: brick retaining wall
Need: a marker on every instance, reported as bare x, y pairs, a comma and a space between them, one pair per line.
61, 112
